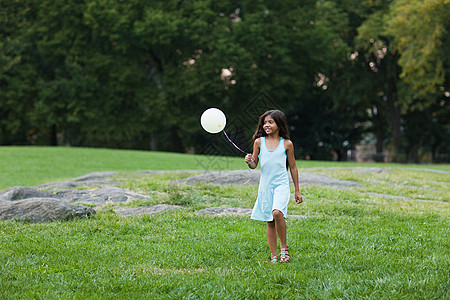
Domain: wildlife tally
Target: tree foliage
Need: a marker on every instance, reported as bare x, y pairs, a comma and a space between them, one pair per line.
138, 74
419, 31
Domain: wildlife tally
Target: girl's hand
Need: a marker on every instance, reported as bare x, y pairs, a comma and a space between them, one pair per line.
298, 197
248, 158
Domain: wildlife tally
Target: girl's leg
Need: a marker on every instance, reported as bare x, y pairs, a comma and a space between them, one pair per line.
272, 238
280, 225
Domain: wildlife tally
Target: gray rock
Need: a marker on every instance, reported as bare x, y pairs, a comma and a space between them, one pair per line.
145, 210
21, 192
316, 179
32, 205
388, 196
69, 185
100, 196
364, 170
96, 176
235, 211
39, 210
430, 170
58, 186
225, 211
238, 177
88, 180
159, 172
241, 177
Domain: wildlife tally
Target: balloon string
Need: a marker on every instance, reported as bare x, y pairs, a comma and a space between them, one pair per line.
233, 143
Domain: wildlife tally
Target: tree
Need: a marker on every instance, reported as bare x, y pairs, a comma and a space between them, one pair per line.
17, 71
224, 54
419, 31
135, 74
409, 56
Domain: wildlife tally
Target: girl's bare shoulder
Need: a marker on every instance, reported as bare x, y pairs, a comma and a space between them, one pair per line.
288, 144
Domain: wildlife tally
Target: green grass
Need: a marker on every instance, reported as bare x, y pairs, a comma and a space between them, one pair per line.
29, 166
33, 165
354, 242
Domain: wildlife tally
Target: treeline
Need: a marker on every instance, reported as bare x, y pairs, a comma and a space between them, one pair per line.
138, 74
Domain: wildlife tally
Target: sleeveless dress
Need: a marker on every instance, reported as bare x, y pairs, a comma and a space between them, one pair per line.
274, 191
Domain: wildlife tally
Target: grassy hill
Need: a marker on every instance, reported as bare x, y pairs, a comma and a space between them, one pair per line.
29, 166
385, 239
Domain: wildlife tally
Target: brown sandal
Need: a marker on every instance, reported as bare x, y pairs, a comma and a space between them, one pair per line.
273, 259
285, 255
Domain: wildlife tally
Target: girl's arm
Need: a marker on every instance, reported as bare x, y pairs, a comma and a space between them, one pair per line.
289, 146
252, 159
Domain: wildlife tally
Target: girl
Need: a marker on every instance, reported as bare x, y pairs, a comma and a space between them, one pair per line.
276, 152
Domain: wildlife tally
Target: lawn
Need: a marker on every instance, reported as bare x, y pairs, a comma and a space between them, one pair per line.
387, 239
29, 166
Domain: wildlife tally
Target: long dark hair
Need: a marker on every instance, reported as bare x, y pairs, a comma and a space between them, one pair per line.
280, 119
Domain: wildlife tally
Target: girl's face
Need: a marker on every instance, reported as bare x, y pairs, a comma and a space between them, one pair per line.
269, 125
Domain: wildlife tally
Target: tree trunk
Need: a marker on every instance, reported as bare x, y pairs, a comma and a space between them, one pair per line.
379, 129
53, 139
177, 143
394, 119
413, 153
341, 155
393, 111
434, 150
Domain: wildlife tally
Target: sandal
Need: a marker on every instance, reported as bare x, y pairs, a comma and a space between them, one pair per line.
285, 255
273, 259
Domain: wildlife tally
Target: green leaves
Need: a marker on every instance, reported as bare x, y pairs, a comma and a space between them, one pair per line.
418, 29
113, 73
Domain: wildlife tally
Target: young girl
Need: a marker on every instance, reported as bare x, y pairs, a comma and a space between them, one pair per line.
275, 151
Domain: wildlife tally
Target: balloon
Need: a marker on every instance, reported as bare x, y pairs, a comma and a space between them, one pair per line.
213, 120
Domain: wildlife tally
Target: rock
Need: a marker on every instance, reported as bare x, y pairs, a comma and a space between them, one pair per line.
389, 196
39, 210
58, 186
69, 185
145, 210
225, 211
431, 170
32, 205
241, 177
100, 196
316, 179
235, 211
365, 170
159, 172
96, 176
238, 177
21, 192
88, 180
99, 188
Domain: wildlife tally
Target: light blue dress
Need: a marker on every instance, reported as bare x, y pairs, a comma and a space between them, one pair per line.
274, 191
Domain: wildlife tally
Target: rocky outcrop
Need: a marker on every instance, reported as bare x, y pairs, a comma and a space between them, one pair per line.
42, 210
243, 177
80, 196
95, 179
99, 196
145, 210
235, 211
21, 192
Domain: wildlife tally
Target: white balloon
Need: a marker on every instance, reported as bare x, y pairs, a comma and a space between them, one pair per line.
213, 120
